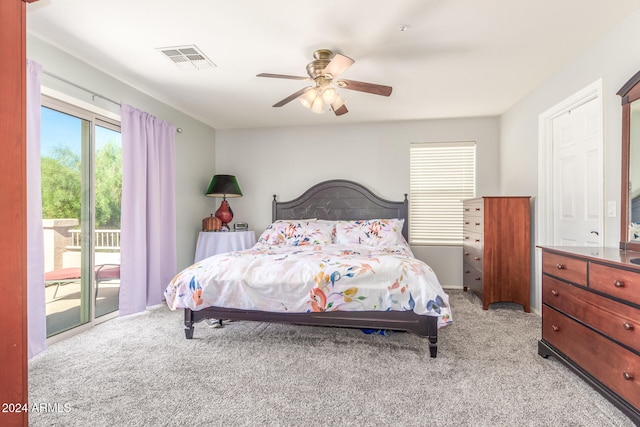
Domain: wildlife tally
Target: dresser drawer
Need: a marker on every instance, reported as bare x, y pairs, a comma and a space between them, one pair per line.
619, 321
571, 269
616, 367
623, 284
473, 224
473, 208
473, 256
472, 278
472, 241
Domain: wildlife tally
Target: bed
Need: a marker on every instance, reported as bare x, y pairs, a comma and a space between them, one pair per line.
335, 256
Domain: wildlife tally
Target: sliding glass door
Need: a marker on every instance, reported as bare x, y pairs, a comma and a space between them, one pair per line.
108, 193
81, 186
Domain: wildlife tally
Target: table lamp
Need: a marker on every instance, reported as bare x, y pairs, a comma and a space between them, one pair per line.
224, 186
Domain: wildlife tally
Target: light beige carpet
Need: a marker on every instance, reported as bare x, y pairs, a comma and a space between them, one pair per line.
141, 371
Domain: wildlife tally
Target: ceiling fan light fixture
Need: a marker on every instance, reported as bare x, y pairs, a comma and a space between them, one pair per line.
318, 105
323, 71
329, 95
308, 97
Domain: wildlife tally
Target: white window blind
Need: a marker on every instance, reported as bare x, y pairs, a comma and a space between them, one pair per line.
441, 176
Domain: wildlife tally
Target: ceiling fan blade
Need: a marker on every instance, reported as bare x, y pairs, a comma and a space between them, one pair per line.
291, 97
365, 87
282, 76
338, 64
342, 110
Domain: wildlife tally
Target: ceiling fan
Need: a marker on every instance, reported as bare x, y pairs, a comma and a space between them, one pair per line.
323, 71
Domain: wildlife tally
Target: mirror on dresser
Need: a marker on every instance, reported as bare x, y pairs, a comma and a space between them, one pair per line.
630, 184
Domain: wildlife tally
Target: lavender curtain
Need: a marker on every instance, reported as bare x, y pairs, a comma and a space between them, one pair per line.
36, 306
148, 240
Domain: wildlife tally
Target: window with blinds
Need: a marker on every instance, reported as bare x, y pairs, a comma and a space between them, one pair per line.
441, 176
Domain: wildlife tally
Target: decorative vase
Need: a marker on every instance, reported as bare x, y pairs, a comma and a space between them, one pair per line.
225, 214
211, 223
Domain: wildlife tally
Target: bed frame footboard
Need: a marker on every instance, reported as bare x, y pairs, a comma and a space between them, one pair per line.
424, 326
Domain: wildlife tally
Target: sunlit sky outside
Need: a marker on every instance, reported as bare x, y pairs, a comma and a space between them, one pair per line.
62, 130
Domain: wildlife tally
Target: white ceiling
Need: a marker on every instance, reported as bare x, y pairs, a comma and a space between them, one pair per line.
457, 58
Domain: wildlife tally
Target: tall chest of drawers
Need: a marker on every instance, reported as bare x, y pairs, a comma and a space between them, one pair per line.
497, 249
591, 319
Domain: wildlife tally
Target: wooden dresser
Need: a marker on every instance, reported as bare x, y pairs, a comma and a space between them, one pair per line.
497, 249
591, 319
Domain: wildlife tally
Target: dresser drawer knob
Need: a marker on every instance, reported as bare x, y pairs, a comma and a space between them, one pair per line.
478, 209
561, 266
627, 376
628, 326
467, 272
618, 283
477, 223
555, 293
477, 258
466, 223
555, 328
466, 254
478, 278
477, 240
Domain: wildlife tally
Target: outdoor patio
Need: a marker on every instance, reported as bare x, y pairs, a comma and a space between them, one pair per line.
63, 311
63, 258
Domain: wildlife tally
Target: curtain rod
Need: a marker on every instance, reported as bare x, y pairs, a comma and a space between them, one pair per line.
80, 87
179, 130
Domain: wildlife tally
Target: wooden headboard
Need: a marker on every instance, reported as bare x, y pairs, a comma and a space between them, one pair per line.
339, 199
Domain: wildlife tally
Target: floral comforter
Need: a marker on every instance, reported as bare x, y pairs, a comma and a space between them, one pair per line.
312, 278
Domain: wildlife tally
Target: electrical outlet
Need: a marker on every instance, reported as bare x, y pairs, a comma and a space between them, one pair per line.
611, 209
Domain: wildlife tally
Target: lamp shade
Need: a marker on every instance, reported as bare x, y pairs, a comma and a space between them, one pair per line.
329, 95
308, 97
224, 186
318, 105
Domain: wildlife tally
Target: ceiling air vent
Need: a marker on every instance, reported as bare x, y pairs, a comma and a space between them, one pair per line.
187, 57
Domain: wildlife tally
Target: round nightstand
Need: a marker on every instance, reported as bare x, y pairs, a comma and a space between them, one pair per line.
216, 242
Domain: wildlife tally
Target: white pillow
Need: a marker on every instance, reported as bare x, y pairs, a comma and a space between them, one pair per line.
297, 233
372, 232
